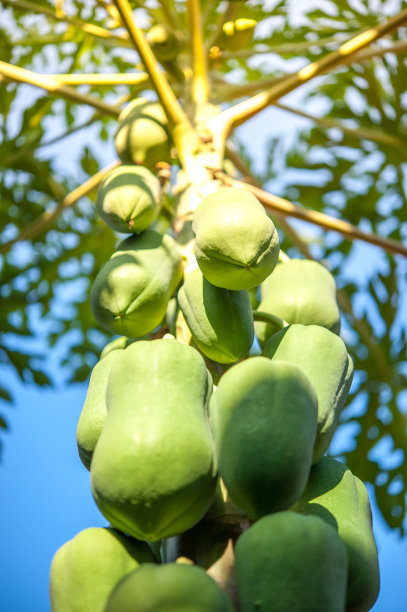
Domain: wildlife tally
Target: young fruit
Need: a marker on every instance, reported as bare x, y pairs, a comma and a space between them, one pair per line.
237, 245
153, 470
220, 320
127, 199
323, 357
85, 570
130, 294
299, 291
291, 563
264, 417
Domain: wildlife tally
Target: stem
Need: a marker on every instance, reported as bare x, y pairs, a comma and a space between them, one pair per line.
21, 75
101, 78
277, 204
284, 48
200, 83
48, 218
265, 317
168, 13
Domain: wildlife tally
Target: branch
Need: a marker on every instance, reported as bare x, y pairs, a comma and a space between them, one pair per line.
101, 78
48, 218
279, 49
239, 113
275, 204
200, 83
21, 75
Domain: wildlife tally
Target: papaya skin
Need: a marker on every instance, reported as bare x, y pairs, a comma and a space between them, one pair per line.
283, 564
264, 418
220, 320
168, 588
237, 245
323, 357
85, 570
118, 343
130, 294
127, 199
299, 291
153, 471
340, 498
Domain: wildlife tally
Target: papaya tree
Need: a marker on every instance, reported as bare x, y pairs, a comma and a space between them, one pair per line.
175, 86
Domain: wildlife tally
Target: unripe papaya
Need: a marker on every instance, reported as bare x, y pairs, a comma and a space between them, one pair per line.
127, 199
340, 498
85, 570
93, 415
264, 417
118, 343
237, 34
164, 42
283, 564
153, 470
170, 588
141, 136
130, 294
237, 245
220, 320
323, 357
299, 291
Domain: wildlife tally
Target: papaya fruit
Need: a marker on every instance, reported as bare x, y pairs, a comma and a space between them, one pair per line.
164, 42
130, 294
170, 588
299, 291
264, 418
220, 320
237, 34
127, 199
337, 496
285, 564
236, 244
93, 413
85, 570
141, 136
118, 343
153, 470
323, 357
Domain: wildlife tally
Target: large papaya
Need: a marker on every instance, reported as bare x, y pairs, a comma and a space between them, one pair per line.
141, 136
118, 343
220, 320
340, 498
291, 563
130, 293
85, 570
264, 417
299, 291
153, 470
237, 245
323, 357
127, 199
170, 588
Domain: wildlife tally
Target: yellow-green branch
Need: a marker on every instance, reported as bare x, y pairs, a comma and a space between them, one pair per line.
101, 78
200, 83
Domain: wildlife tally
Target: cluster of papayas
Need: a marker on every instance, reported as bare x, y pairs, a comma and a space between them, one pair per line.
190, 475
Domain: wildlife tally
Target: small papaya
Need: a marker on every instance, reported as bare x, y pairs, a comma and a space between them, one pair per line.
220, 320
130, 294
164, 42
141, 136
299, 291
291, 563
153, 470
236, 243
127, 199
237, 34
323, 357
85, 570
264, 418
93, 415
173, 587
340, 498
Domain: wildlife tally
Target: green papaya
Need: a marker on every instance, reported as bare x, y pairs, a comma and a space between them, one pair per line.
323, 357
168, 588
220, 320
85, 570
141, 136
127, 199
236, 244
299, 291
291, 563
264, 418
237, 34
93, 413
164, 42
118, 343
340, 498
153, 471
130, 293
